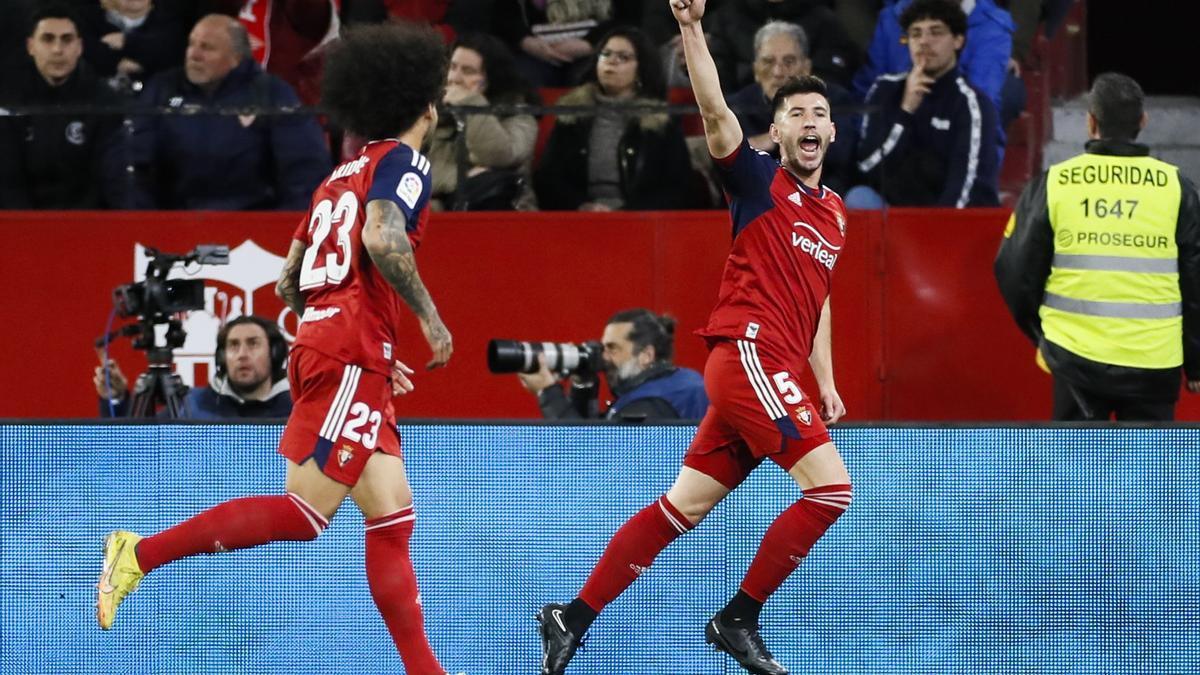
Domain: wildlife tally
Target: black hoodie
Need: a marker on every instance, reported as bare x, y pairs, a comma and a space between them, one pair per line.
52, 161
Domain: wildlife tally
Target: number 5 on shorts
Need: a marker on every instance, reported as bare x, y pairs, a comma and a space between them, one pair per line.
789, 390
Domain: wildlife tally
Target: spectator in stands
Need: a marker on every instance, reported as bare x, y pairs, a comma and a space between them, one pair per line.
222, 161
780, 54
931, 141
553, 39
481, 161
54, 160
834, 55
131, 40
287, 36
638, 346
617, 159
984, 59
250, 380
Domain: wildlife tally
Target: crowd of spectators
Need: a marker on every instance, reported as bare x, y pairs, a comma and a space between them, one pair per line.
212, 104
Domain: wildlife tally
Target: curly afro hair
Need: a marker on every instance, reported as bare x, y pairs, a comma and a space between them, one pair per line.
380, 79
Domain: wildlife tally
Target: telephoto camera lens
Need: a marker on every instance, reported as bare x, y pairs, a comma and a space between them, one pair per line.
515, 356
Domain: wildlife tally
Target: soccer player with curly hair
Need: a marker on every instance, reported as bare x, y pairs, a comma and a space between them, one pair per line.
349, 275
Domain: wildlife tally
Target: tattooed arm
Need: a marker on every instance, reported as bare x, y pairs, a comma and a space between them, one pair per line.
386, 240
288, 287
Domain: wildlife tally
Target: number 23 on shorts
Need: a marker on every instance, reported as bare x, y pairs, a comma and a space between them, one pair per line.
362, 415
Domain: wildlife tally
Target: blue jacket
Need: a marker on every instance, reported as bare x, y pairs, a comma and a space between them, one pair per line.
944, 154
682, 389
223, 162
984, 57
216, 402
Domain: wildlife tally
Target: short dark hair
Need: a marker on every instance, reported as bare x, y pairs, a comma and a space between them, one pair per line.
1117, 103
52, 10
802, 84
504, 81
949, 12
651, 81
649, 329
379, 79
276, 344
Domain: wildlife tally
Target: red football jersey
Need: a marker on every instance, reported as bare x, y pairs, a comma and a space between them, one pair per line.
787, 239
351, 313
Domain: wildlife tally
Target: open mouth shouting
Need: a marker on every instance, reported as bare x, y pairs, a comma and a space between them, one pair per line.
810, 146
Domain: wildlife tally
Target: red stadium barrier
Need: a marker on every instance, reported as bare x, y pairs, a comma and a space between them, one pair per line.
920, 332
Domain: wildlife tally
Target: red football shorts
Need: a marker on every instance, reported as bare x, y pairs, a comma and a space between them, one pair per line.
341, 415
756, 412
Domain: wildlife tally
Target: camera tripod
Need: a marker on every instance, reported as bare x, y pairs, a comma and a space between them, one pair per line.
158, 385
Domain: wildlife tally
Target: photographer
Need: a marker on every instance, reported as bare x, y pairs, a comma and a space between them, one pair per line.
250, 380
638, 346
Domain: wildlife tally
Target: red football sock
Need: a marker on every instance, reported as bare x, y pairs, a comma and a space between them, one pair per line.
394, 588
631, 551
790, 537
238, 523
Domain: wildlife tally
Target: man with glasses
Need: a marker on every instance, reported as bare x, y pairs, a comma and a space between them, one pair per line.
931, 138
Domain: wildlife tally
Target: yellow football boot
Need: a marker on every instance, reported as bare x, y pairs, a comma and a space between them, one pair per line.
120, 576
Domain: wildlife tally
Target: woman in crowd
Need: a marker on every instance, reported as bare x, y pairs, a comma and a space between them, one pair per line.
618, 157
481, 161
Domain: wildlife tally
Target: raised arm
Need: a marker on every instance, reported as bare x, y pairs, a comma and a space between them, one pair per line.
721, 127
386, 239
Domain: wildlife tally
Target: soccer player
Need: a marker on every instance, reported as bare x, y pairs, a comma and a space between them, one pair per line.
348, 274
772, 315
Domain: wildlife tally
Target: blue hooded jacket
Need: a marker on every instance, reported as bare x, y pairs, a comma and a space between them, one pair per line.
683, 389
984, 57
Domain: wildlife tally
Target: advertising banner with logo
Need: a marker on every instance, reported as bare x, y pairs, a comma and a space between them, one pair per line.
920, 331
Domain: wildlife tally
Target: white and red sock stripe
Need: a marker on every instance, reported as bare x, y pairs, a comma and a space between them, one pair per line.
404, 515
673, 515
836, 496
318, 521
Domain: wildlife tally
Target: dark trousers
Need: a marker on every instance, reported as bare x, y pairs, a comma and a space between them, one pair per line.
1074, 404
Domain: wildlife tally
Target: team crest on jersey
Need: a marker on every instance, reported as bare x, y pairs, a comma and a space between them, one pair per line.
841, 221
75, 134
795, 199
804, 415
344, 455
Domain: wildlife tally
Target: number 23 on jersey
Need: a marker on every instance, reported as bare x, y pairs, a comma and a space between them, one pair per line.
328, 263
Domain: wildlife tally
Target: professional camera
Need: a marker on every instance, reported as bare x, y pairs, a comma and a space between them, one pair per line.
158, 297
564, 358
155, 301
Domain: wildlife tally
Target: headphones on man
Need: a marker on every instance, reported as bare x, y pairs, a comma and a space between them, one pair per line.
278, 345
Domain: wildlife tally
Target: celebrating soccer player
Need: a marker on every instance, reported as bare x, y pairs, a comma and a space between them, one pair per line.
348, 274
772, 316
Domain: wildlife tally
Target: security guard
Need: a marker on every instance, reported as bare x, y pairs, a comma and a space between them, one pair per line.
1100, 267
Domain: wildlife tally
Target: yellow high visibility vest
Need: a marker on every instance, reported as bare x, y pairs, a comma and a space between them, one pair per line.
1113, 292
